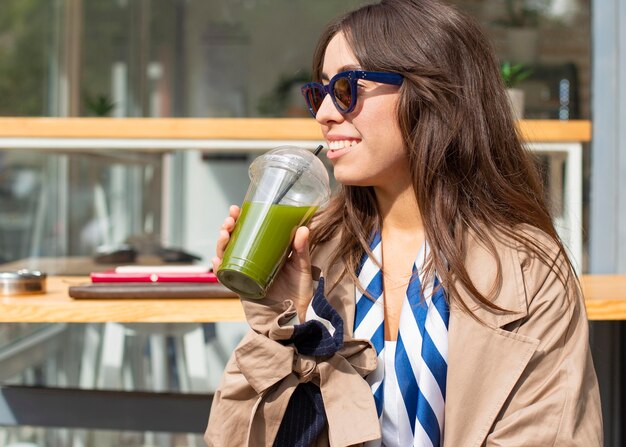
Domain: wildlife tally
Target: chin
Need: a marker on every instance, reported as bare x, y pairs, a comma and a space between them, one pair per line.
354, 175
353, 180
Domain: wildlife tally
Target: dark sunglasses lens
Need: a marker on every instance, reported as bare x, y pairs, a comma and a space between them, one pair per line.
342, 93
314, 98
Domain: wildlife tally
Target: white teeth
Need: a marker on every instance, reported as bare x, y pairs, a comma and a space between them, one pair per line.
341, 144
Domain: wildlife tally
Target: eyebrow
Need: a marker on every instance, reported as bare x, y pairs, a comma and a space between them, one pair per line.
341, 69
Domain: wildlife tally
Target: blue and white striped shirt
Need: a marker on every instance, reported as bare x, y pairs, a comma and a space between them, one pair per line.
409, 384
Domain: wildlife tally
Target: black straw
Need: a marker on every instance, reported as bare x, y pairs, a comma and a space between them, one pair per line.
295, 178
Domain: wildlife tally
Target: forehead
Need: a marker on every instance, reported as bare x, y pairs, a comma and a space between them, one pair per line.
338, 55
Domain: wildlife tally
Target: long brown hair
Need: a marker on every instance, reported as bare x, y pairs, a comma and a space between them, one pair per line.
468, 166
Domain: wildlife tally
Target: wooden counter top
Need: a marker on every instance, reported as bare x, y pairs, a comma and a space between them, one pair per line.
57, 306
234, 129
605, 298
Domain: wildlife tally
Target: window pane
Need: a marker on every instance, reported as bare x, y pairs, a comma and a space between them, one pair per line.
203, 58
26, 44
550, 37
60, 211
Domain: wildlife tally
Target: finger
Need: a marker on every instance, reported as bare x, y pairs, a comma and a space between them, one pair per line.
229, 224
234, 211
216, 263
222, 241
300, 240
233, 215
300, 256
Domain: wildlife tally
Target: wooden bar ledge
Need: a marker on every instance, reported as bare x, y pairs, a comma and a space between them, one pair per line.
605, 298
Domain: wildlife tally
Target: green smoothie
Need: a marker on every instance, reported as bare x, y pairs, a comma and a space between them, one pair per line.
259, 244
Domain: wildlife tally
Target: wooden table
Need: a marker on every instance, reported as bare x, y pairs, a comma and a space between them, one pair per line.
102, 409
605, 298
57, 306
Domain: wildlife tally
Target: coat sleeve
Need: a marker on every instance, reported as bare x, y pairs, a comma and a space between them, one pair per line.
556, 401
268, 361
258, 364
280, 374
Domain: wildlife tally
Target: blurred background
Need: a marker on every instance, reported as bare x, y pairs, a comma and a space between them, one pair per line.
202, 58
243, 58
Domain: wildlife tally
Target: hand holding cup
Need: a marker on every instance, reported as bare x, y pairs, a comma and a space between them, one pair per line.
294, 281
287, 186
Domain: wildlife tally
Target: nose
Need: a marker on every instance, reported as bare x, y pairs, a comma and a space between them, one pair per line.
328, 112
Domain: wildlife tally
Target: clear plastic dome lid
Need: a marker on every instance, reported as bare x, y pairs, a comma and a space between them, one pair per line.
291, 175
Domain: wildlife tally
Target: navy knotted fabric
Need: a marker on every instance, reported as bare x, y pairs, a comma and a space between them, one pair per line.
305, 418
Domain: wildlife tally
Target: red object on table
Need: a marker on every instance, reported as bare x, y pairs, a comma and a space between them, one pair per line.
153, 277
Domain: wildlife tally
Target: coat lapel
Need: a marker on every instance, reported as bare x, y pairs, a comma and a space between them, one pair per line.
477, 386
484, 360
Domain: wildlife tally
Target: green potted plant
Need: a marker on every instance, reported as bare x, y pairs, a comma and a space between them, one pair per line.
512, 75
100, 105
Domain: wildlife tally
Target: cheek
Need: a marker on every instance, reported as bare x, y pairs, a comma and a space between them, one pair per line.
380, 126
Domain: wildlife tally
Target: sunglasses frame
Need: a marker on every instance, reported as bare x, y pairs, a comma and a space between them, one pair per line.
352, 76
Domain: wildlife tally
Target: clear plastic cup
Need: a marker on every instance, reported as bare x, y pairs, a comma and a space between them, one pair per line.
288, 185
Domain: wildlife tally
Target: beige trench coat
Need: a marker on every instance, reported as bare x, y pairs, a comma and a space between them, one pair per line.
523, 378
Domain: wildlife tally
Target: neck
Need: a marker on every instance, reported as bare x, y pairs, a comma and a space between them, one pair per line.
399, 209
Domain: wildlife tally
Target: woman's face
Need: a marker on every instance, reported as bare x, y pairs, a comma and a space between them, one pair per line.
365, 145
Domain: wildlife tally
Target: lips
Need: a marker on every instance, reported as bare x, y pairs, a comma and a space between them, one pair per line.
338, 148
339, 145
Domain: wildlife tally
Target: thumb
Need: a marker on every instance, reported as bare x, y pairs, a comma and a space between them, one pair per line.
300, 256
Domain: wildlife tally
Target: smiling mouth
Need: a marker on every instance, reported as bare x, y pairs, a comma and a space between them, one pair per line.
341, 144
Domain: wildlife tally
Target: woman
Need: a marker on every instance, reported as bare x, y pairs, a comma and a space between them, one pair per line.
455, 317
